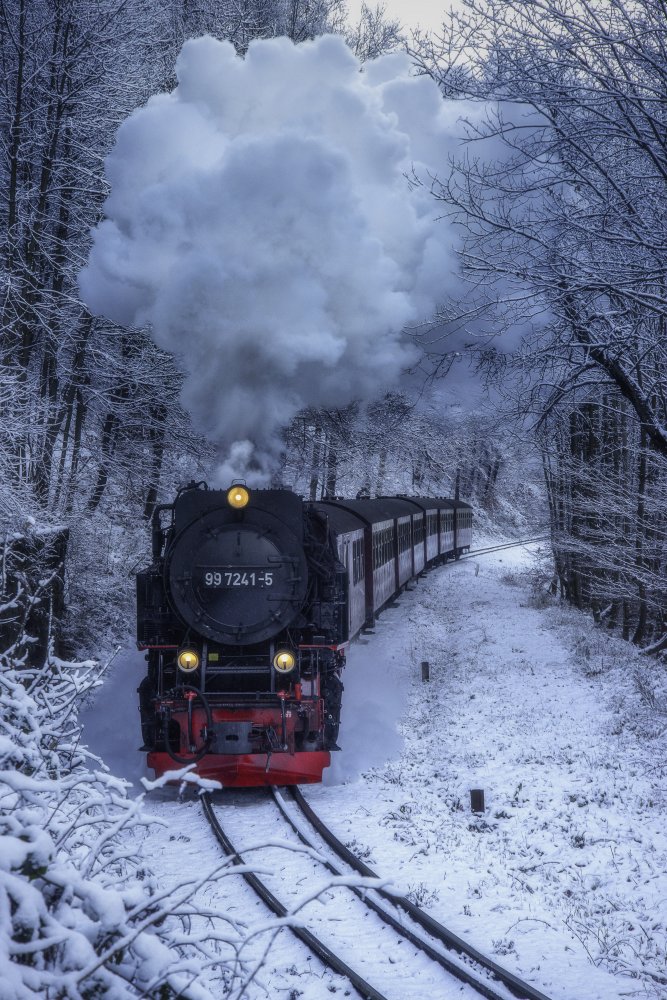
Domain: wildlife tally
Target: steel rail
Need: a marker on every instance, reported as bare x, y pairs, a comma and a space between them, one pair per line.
453, 968
517, 986
318, 948
504, 545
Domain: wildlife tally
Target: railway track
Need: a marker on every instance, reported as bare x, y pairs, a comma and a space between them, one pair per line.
447, 966
504, 545
438, 963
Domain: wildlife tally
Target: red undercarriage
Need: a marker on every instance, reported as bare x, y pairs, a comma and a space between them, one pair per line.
280, 767
241, 770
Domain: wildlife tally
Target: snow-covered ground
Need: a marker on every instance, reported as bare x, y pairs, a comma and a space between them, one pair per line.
563, 878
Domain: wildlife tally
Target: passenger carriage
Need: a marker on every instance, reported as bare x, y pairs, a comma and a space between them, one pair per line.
386, 542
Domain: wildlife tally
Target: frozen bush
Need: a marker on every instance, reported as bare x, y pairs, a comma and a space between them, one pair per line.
77, 922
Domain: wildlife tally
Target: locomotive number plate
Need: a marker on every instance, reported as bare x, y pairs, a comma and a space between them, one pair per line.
249, 577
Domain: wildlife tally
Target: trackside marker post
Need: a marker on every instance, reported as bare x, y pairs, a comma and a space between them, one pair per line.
477, 800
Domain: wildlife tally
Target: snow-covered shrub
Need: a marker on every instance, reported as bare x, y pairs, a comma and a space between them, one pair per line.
77, 920
422, 895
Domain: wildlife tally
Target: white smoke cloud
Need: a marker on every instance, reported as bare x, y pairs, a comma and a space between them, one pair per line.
261, 223
244, 462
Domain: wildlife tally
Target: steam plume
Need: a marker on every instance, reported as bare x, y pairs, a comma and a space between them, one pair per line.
261, 223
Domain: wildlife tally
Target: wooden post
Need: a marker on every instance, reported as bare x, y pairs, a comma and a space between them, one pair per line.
477, 800
426, 670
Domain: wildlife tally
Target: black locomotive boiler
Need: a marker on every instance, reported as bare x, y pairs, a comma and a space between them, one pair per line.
246, 612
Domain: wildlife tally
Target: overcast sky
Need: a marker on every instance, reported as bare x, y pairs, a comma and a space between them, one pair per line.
426, 14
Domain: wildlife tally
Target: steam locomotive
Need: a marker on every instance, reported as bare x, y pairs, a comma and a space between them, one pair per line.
247, 610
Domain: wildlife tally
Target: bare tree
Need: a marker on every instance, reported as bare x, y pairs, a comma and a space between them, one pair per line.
374, 33
569, 213
563, 190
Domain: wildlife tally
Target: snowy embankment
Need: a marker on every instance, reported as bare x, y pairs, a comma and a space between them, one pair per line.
563, 877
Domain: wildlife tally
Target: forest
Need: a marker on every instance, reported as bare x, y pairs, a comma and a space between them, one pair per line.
556, 190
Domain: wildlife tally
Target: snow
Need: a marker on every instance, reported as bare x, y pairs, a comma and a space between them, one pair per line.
562, 879
111, 722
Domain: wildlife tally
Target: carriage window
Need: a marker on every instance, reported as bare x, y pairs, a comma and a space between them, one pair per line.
384, 546
357, 560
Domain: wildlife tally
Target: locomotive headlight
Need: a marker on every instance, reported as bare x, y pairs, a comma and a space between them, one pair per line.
188, 660
238, 497
284, 661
